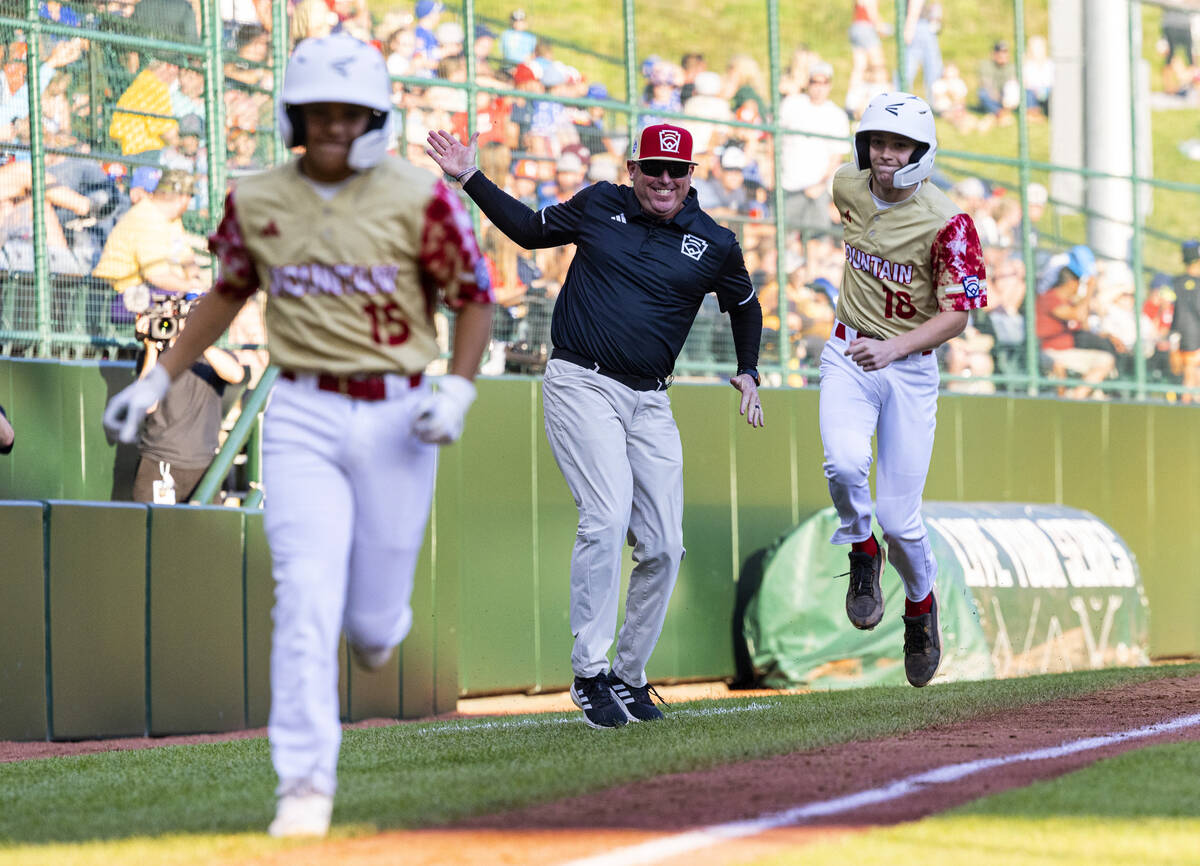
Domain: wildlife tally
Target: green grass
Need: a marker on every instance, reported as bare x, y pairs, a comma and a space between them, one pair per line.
420, 775
1139, 808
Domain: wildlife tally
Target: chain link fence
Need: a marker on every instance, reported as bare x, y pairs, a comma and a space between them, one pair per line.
103, 100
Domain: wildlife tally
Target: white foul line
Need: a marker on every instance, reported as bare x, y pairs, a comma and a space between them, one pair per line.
681, 843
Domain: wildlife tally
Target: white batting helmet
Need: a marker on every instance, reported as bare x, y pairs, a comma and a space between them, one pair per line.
339, 68
903, 114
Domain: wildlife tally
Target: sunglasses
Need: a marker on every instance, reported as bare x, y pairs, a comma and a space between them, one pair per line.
655, 168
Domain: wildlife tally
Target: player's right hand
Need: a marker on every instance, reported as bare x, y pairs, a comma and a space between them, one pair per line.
124, 413
440, 415
451, 155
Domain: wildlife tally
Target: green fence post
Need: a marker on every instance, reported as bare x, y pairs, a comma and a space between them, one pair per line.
279, 56
214, 107
901, 48
1031, 349
37, 166
1135, 189
781, 276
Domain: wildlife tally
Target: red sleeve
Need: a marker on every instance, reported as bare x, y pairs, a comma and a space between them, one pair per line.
237, 275
450, 260
958, 269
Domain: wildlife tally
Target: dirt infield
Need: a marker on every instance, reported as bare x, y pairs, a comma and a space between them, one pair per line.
633, 814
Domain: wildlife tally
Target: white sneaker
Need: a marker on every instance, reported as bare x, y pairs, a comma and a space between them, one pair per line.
305, 813
371, 660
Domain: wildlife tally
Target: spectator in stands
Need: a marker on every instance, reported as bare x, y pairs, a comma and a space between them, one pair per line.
144, 129
525, 182
252, 66
999, 92
426, 14
14, 90
239, 14
1062, 314
517, 43
864, 86
744, 87
1037, 73
1177, 34
311, 19
809, 162
85, 200
569, 173
1113, 316
690, 65
7, 437
450, 37
185, 152
866, 48
706, 101
242, 150
174, 20
923, 53
795, 78
1158, 313
187, 92
1004, 317
486, 70
400, 49
949, 100
1186, 324
724, 194
148, 254
662, 93
591, 124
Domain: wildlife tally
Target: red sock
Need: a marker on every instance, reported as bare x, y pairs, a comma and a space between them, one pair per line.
870, 546
916, 608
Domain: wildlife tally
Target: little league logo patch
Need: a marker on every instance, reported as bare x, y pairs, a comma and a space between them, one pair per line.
693, 247
971, 287
668, 140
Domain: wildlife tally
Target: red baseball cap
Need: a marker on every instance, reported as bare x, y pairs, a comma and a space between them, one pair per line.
666, 142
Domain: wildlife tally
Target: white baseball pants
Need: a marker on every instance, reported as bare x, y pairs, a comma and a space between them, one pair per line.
348, 492
620, 454
897, 404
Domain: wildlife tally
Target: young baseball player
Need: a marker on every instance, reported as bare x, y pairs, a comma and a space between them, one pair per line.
914, 267
351, 248
646, 256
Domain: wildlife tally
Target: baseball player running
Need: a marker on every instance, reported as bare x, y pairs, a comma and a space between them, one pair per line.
914, 267
646, 256
351, 248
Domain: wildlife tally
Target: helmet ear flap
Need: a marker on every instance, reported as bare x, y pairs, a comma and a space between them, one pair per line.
862, 150
291, 124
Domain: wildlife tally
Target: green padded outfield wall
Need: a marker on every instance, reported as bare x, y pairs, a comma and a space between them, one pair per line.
500, 538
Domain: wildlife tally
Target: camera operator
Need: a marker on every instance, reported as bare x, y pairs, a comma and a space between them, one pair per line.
147, 256
181, 433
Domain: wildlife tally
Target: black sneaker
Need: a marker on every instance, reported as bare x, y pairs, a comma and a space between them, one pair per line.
922, 646
600, 710
635, 700
864, 596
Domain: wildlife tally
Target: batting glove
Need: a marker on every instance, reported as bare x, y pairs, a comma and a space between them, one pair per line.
124, 413
440, 416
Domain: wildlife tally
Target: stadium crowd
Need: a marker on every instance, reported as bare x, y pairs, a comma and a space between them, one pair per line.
115, 119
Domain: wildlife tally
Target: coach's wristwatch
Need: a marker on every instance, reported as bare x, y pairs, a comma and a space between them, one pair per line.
752, 373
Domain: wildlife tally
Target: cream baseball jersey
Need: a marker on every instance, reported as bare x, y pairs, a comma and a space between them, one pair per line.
905, 263
351, 283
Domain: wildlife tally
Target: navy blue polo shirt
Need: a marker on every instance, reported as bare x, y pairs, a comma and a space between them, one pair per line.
636, 283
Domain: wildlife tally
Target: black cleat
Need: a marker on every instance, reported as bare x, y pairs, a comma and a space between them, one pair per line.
600, 709
864, 596
922, 646
635, 700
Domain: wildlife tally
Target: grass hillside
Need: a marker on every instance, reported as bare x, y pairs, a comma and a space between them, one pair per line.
589, 34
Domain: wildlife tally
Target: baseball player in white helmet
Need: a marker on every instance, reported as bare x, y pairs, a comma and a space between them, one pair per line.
914, 267
352, 249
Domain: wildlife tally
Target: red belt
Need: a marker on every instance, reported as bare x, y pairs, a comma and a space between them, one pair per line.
367, 386
840, 332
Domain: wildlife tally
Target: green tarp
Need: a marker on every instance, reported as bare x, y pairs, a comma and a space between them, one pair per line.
1022, 589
